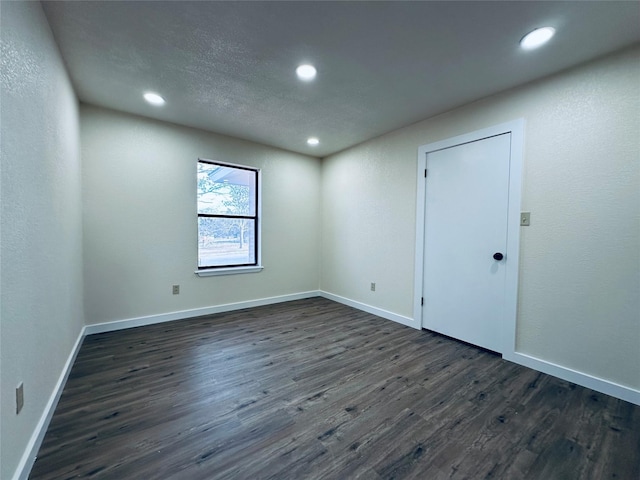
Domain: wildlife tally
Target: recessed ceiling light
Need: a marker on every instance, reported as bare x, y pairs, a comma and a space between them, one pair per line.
313, 141
154, 98
537, 38
306, 72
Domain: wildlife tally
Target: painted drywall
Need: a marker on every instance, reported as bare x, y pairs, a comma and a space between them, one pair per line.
140, 237
41, 231
579, 302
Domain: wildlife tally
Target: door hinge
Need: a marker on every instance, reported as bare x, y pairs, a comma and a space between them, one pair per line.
422, 301
425, 173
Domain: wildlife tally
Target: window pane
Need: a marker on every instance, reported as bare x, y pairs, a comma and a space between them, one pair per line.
226, 190
226, 241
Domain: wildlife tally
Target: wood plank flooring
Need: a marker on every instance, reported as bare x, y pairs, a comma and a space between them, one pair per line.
313, 389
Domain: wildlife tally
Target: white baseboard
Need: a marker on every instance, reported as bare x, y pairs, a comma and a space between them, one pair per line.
31, 451
409, 322
579, 378
195, 312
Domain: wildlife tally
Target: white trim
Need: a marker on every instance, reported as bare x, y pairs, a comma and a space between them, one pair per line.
31, 451
195, 312
210, 272
516, 128
418, 271
607, 387
409, 322
513, 233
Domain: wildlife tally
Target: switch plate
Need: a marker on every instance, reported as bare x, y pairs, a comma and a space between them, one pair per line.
19, 397
176, 289
525, 219
373, 286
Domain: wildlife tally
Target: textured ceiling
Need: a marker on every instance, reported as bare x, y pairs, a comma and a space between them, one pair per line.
229, 67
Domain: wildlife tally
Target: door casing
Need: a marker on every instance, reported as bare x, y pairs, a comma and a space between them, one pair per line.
516, 129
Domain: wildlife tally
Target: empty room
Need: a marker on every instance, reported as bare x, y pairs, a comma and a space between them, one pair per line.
320, 240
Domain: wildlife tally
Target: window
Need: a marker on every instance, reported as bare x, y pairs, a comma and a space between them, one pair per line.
228, 218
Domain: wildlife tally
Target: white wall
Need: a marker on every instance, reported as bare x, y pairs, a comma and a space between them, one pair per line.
140, 237
41, 232
579, 300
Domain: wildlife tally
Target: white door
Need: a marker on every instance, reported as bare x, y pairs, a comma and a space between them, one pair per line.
467, 198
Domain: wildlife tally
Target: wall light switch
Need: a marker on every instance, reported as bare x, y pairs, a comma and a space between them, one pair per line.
19, 397
525, 219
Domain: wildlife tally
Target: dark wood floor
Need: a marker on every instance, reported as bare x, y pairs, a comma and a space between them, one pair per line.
312, 389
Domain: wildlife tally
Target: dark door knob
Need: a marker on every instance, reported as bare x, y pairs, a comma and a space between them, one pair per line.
498, 256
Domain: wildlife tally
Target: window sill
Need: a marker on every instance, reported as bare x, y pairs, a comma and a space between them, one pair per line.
210, 272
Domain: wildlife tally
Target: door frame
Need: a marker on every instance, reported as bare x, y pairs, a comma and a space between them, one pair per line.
516, 129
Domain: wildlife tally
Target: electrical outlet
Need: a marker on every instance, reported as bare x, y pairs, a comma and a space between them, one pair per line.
176, 289
525, 219
373, 286
19, 397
